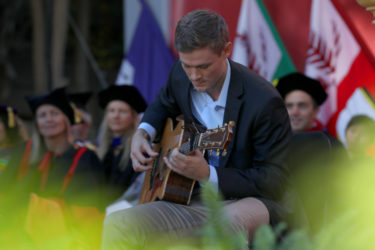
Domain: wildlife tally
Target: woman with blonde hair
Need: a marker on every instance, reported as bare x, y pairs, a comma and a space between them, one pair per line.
49, 164
50, 186
122, 105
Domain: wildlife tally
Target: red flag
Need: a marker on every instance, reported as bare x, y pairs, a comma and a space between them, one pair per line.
336, 59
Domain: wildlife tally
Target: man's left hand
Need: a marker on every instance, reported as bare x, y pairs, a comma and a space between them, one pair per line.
193, 166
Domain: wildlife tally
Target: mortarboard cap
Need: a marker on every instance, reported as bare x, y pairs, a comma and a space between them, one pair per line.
57, 97
126, 93
298, 81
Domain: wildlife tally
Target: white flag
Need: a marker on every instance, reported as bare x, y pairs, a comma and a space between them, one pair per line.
257, 44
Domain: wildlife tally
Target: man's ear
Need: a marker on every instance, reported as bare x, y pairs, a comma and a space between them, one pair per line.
228, 49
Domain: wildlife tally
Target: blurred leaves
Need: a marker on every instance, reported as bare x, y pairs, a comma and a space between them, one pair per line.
350, 228
218, 233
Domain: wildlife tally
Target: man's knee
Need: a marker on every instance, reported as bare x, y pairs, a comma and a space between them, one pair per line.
119, 232
248, 214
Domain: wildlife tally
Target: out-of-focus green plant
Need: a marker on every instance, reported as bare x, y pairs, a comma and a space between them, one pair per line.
352, 227
218, 233
268, 238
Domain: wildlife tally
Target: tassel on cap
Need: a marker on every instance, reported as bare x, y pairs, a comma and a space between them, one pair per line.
11, 118
78, 117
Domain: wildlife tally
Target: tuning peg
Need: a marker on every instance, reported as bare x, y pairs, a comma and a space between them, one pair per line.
224, 152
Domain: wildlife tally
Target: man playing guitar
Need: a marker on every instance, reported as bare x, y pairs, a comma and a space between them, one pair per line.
208, 88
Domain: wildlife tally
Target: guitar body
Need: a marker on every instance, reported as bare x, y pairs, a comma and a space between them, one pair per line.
161, 183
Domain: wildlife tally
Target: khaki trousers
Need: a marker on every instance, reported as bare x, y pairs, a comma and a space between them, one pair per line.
134, 228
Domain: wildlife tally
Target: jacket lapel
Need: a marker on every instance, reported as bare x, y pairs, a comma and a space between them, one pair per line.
188, 101
233, 107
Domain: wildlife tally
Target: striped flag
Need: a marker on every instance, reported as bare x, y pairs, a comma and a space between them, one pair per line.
336, 59
257, 44
149, 60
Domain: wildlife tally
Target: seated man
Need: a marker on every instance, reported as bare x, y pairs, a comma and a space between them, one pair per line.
209, 89
302, 96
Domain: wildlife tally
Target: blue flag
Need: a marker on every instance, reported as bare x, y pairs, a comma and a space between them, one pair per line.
149, 60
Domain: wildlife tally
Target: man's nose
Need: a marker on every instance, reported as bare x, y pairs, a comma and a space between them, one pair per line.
194, 74
293, 110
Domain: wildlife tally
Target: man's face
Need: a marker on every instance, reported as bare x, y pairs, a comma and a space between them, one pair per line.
301, 110
358, 139
205, 68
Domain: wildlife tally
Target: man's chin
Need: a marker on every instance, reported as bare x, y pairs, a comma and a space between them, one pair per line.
297, 129
200, 89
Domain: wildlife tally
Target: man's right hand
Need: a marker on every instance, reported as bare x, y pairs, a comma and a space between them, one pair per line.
140, 147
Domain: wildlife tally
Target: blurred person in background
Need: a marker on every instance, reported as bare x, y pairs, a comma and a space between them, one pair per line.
122, 105
48, 175
303, 96
360, 137
81, 129
12, 133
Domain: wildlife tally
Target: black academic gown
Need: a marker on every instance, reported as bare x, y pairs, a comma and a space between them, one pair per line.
83, 189
118, 178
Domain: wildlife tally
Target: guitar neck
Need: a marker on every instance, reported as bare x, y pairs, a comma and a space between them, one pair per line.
190, 145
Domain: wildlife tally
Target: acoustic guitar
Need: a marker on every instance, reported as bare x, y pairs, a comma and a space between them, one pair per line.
161, 183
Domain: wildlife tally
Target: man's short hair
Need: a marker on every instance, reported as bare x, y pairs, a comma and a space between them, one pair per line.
200, 29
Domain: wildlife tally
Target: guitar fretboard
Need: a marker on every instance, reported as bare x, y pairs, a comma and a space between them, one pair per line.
190, 145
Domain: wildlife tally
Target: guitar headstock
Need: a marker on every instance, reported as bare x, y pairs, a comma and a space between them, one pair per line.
218, 138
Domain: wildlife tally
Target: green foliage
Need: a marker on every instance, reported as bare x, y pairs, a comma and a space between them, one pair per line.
267, 238
346, 232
